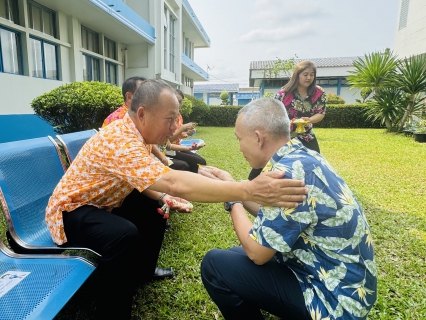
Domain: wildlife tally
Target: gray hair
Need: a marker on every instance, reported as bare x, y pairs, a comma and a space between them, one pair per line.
267, 114
147, 94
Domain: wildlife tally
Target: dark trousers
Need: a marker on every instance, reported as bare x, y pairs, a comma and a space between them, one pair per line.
179, 165
312, 144
240, 288
128, 239
193, 159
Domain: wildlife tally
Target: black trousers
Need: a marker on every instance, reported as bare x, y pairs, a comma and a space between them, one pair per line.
193, 159
128, 239
179, 165
240, 288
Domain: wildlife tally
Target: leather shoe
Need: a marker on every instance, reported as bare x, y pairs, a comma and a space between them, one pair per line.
163, 273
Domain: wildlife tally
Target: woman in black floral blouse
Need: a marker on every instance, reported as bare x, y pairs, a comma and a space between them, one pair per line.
303, 99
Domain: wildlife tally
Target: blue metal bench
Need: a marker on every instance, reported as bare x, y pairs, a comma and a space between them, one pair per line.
29, 172
73, 142
51, 282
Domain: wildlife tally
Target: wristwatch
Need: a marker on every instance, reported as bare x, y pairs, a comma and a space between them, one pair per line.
228, 205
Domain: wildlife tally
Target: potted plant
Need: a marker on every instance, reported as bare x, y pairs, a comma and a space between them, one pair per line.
420, 131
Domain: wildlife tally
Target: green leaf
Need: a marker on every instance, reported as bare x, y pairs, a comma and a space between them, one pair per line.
307, 257
352, 306
275, 240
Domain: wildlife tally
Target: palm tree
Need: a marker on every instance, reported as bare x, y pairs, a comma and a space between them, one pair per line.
412, 80
387, 106
376, 70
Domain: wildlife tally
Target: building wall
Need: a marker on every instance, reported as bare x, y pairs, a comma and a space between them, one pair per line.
69, 59
135, 57
411, 34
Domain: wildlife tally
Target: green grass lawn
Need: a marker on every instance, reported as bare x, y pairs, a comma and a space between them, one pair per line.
387, 172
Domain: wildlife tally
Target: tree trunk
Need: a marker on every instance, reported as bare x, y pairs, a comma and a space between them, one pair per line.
406, 113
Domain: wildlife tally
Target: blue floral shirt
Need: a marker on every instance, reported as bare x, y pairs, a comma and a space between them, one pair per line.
325, 241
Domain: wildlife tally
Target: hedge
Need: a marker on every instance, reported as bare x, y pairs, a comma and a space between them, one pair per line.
338, 116
78, 106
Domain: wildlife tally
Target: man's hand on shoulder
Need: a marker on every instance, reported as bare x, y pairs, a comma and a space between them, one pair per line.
270, 189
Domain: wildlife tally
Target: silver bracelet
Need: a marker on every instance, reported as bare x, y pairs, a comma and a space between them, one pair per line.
161, 198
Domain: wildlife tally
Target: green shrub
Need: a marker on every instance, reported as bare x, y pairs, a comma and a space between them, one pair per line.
333, 98
78, 106
337, 116
220, 116
347, 116
186, 108
199, 110
268, 95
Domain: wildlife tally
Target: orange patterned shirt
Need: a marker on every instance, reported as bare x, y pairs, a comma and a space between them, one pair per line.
109, 166
116, 115
179, 123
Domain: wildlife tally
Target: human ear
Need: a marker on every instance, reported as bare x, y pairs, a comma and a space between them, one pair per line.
141, 112
260, 138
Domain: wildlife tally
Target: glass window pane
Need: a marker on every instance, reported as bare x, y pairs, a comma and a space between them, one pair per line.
83, 38
36, 58
3, 9
9, 10
48, 23
50, 61
109, 49
36, 18
86, 70
89, 41
11, 52
95, 43
112, 73
95, 70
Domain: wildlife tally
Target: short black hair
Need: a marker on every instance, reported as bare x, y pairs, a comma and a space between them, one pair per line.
130, 85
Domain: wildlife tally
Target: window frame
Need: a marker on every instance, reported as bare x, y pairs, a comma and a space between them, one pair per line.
106, 48
20, 57
42, 41
172, 40
108, 65
91, 58
14, 9
43, 9
88, 30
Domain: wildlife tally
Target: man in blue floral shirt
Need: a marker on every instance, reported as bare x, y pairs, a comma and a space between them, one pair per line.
315, 261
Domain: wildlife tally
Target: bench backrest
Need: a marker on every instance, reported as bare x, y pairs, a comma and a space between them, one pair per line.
29, 172
73, 142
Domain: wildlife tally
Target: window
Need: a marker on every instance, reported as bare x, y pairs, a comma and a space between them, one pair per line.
111, 72
403, 15
188, 82
89, 39
172, 44
109, 49
9, 10
188, 48
10, 52
41, 18
44, 61
91, 68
